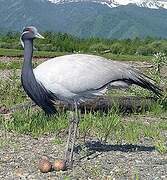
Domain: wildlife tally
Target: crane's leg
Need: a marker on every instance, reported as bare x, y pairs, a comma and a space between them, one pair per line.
74, 120
71, 126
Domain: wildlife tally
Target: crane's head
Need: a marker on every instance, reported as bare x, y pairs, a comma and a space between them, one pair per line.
30, 32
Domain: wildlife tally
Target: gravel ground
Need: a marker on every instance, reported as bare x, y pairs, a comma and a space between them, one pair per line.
20, 154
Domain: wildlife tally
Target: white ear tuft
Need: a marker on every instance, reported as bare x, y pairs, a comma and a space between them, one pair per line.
22, 43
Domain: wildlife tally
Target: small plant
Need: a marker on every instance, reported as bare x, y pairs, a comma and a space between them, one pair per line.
107, 124
86, 124
159, 60
156, 108
132, 132
161, 146
57, 141
136, 176
151, 131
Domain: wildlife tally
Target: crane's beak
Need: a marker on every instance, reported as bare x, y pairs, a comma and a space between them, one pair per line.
39, 36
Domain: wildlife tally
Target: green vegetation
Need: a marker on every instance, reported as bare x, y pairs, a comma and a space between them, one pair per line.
37, 54
106, 127
11, 91
57, 43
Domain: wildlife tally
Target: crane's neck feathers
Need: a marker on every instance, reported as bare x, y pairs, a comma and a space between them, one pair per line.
28, 53
34, 89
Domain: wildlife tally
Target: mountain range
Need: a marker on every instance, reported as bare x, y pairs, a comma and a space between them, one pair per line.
86, 18
152, 4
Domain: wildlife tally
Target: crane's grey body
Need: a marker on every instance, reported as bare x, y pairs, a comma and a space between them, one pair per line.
81, 76
73, 78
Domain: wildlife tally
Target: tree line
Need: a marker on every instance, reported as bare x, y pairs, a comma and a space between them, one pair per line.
63, 42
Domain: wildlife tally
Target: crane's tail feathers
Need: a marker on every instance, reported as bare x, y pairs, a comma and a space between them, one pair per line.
145, 82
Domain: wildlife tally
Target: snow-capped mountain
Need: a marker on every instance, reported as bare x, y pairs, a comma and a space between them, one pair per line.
153, 4
86, 19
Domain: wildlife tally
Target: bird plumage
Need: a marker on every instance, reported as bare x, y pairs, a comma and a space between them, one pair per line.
75, 77
36, 91
80, 76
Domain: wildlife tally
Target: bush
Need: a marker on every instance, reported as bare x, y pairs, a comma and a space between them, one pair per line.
145, 50
62, 42
117, 48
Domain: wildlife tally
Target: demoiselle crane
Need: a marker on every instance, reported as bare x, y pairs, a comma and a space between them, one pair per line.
73, 78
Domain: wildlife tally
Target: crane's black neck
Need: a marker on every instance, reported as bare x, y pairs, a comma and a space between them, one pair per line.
35, 90
28, 53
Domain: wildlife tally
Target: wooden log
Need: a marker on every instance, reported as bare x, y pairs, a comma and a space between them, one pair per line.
124, 104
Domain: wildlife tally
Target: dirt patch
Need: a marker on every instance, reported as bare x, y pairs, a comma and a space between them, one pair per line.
9, 59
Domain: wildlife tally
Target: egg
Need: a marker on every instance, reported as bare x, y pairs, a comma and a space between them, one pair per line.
59, 165
44, 165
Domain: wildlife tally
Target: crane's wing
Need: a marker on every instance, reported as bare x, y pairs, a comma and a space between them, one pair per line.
79, 73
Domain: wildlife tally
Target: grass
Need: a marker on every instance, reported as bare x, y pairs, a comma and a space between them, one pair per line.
5, 142
101, 126
121, 57
10, 65
11, 91
13, 65
35, 123
47, 54
106, 127
37, 54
